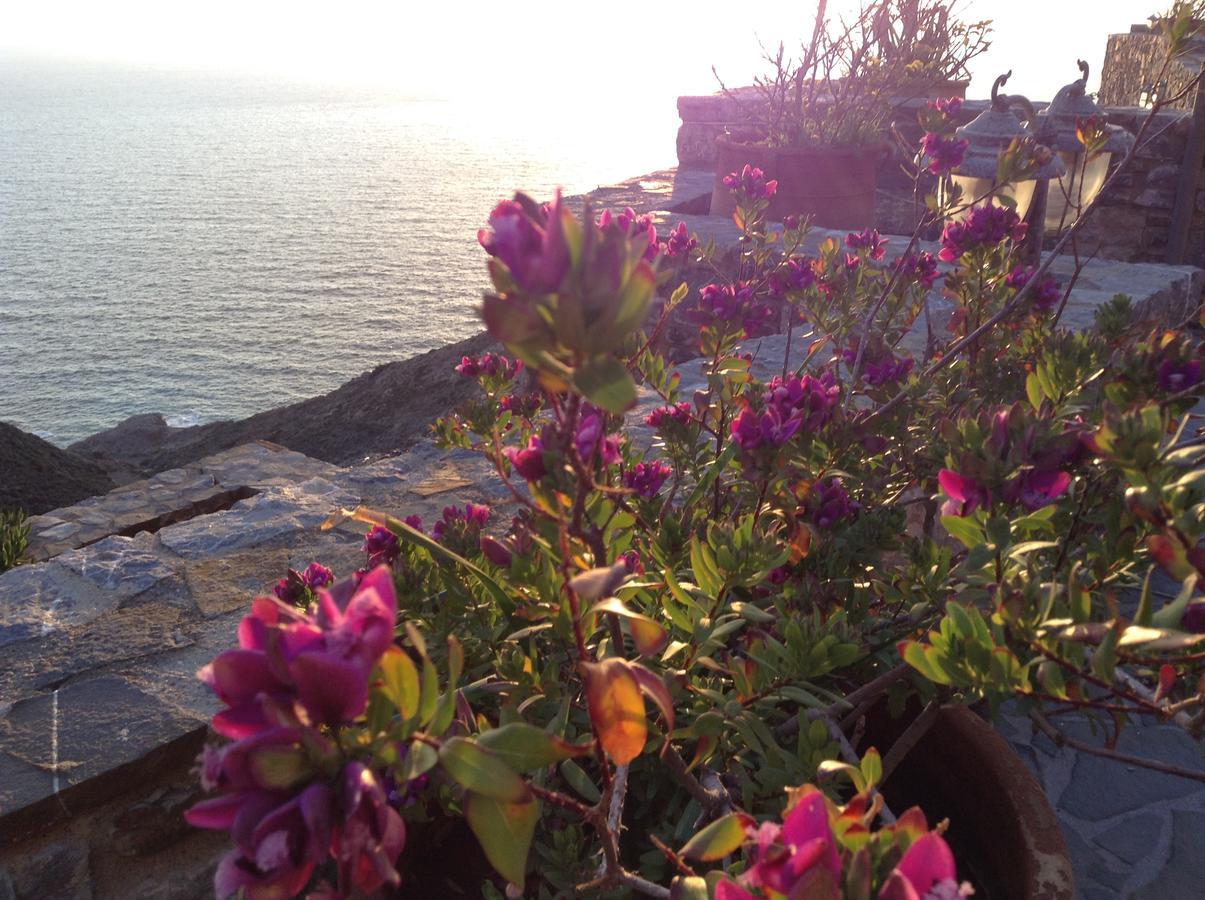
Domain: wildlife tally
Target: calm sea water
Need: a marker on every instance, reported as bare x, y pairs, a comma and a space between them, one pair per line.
209, 247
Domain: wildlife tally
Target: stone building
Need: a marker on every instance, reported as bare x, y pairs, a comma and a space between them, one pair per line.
1131, 74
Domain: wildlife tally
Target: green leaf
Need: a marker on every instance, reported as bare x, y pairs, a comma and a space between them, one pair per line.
648, 635
479, 770
965, 531
689, 887
526, 748
1033, 390
872, 766
420, 758
722, 837
711, 473
1171, 614
605, 382
504, 831
580, 781
400, 676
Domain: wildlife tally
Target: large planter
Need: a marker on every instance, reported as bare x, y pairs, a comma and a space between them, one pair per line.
835, 187
927, 89
1003, 830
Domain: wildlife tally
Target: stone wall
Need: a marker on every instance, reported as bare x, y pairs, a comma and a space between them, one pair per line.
1132, 64
1132, 226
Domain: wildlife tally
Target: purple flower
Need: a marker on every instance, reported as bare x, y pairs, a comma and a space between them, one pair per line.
276, 849
947, 107
1034, 489
663, 415
751, 183
785, 854
535, 253
798, 274
1194, 618
769, 428
831, 504
926, 871
468, 367
1045, 294
528, 462
317, 576
880, 367
944, 153
1178, 375
591, 436
965, 494
459, 527
381, 546
371, 834
495, 551
415, 522
526, 405
985, 225
631, 561
869, 240
646, 478
680, 241
814, 399
920, 267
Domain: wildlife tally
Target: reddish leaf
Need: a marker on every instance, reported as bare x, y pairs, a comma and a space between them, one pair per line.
616, 708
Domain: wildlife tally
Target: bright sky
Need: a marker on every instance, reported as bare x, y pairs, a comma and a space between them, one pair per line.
501, 51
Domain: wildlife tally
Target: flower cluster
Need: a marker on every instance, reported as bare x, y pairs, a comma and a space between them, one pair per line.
630, 224
646, 478
830, 503
945, 153
381, 547
529, 461
803, 857
298, 588
680, 241
881, 366
662, 415
733, 304
751, 183
799, 402
489, 365
920, 268
592, 437
985, 226
459, 528
796, 274
294, 679
1175, 375
535, 253
1045, 294
869, 240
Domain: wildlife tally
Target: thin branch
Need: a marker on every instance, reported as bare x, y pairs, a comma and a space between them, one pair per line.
1061, 739
916, 730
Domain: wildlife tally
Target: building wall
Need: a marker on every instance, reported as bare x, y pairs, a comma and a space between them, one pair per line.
1132, 64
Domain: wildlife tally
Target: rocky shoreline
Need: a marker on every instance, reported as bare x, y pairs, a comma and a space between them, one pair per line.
378, 413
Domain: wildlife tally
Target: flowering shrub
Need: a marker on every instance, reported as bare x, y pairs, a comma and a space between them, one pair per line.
657, 643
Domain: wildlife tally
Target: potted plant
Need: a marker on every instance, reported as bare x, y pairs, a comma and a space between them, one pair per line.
654, 675
929, 46
818, 126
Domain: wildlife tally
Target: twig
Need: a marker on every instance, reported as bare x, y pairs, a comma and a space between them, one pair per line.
714, 802
850, 755
916, 730
871, 689
1063, 740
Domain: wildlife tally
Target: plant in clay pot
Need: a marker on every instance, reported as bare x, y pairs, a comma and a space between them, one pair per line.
819, 125
649, 671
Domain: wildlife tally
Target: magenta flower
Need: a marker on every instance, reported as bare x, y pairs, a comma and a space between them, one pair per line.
371, 834
317, 576
1034, 489
1178, 375
769, 428
1194, 618
869, 240
468, 367
1045, 294
985, 225
495, 551
528, 462
945, 153
926, 871
591, 436
663, 415
751, 183
415, 522
831, 504
276, 849
965, 494
881, 367
526, 405
632, 562
535, 253
646, 478
459, 528
814, 399
382, 547
919, 267
947, 107
680, 241
784, 855
798, 274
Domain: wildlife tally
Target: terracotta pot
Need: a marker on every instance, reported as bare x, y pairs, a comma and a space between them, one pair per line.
834, 186
1003, 831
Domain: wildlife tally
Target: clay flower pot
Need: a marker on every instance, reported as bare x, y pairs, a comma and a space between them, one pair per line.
835, 186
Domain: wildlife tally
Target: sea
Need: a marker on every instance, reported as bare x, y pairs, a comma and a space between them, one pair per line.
209, 246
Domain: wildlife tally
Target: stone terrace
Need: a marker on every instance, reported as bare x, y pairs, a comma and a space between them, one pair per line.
101, 713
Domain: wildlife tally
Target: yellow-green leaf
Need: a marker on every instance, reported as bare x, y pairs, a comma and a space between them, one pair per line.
479, 770
722, 837
504, 831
